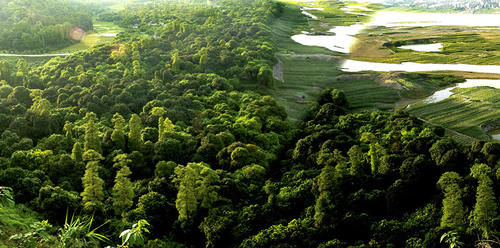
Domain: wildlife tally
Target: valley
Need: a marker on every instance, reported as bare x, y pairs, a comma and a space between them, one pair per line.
374, 47
249, 124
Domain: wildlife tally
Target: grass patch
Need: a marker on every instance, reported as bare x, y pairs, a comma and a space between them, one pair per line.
419, 85
306, 76
92, 38
14, 220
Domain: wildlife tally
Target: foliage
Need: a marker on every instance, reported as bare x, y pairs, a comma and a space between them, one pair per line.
135, 236
452, 239
168, 127
78, 232
6, 196
41, 24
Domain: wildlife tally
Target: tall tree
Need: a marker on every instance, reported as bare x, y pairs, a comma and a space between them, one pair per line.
453, 210
118, 135
485, 209
165, 126
93, 185
356, 158
176, 62
134, 133
324, 202
39, 117
197, 188
77, 152
123, 192
92, 140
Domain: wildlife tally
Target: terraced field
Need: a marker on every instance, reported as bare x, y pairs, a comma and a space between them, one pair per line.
465, 112
307, 70
306, 76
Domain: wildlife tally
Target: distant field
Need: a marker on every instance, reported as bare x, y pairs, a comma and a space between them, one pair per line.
306, 76
307, 70
464, 45
463, 112
101, 34
293, 22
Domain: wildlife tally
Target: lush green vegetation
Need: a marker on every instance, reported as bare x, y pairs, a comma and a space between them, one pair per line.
29, 25
166, 138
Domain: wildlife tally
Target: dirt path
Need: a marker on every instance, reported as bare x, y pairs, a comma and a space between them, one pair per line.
278, 71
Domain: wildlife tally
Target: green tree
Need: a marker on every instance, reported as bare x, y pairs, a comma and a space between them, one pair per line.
38, 116
134, 134
197, 188
165, 126
356, 158
176, 62
123, 192
485, 209
265, 76
93, 185
92, 140
324, 202
118, 135
77, 152
453, 210
376, 150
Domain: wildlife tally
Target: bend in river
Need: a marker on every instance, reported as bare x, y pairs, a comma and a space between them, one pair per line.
343, 39
469, 83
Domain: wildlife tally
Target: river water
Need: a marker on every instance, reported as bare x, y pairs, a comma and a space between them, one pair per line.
469, 83
357, 66
343, 37
436, 47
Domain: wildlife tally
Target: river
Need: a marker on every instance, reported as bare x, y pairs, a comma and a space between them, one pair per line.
469, 83
343, 37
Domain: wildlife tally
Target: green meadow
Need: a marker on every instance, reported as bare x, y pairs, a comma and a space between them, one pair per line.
100, 35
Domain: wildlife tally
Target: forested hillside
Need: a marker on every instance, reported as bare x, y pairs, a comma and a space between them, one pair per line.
40, 25
165, 134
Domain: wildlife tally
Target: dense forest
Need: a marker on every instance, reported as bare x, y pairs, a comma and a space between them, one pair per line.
39, 25
164, 139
